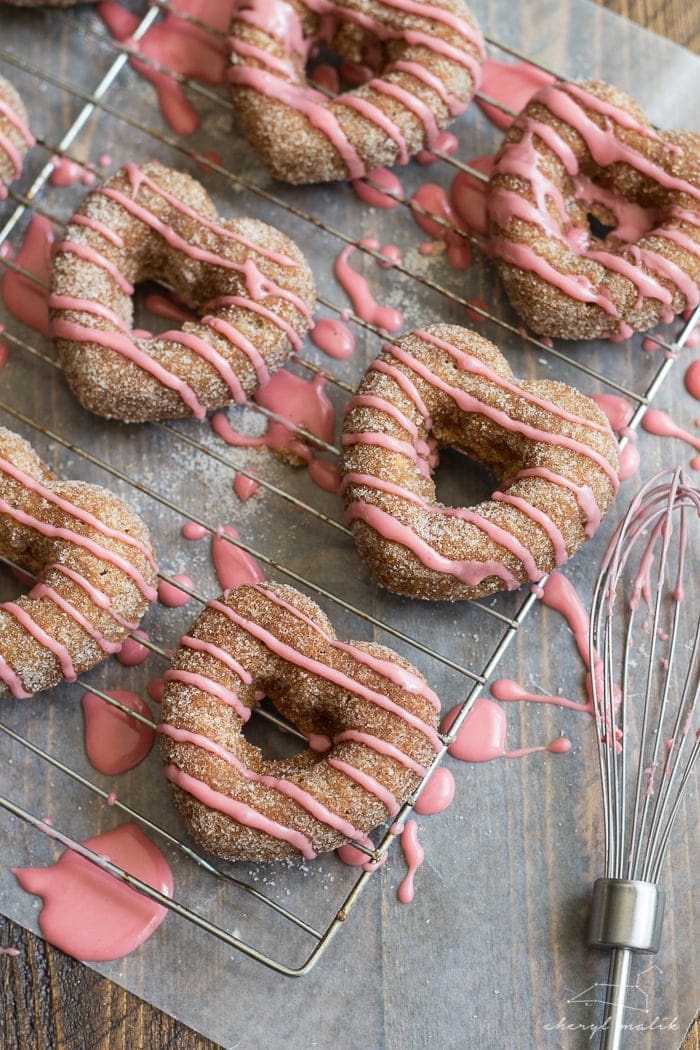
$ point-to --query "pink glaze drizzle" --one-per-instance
(364, 304)
(24, 297)
(482, 735)
(414, 856)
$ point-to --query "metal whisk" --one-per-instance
(648, 737)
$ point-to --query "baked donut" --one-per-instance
(550, 447)
(250, 284)
(94, 567)
(424, 61)
(594, 215)
(370, 718)
(15, 136)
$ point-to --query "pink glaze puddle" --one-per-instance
(357, 289)
(369, 189)
(468, 195)
(437, 794)
(233, 566)
(433, 200)
(114, 742)
(88, 913)
(204, 156)
(4, 353)
(511, 84)
(133, 652)
(661, 424)
(171, 595)
(179, 46)
(482, 735)
(619, 410)
(414, 855)
(295, 402)
(333, 337)
(23, 297)
(355, 858)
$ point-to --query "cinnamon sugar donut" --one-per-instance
(94, 567)
(550, 447)
(15, 136)
(370, 716)
(424, 61)
(249, 283)
(595, 215)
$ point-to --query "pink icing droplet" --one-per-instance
(326, 475)
(155, 689)
(87, 912)
(133, 652)
(482, 735)
(233, 566)
(191, 530)
(468, 195)
(629, 461)
(333, 337)
(114, 742)
(173, 596)
(660, 423)
(692, 379)
(437, 794)
(474, 315)
(245, 487)
(369, 189)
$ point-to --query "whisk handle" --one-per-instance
(626, 917)
(613, 1018)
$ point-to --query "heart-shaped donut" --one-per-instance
(94, 567)
(423, 61)
(370, 718)
(15, 136)
(248, 283)
(551, 448)
(594, 215)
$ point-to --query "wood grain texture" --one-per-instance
(49, 1000)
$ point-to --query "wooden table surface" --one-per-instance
(48, 999)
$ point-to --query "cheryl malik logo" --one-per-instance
(600, 993)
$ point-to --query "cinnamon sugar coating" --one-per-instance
(375, 712)
(423, 61)
(594, 215)
(93, 562)
(550, 447)
(248, 283)
(15, 138)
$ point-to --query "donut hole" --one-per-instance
(276, 737)
(157, 307)
(599, 229)
(336, 70)
(460, 480)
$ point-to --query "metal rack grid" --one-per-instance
(503, 625)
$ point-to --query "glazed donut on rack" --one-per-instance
(594, 215)
(370, 718)
(423, 61)
(15, 136)
(550, 447)
(248, 283)
(94, 567)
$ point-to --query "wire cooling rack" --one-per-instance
(181, 472)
